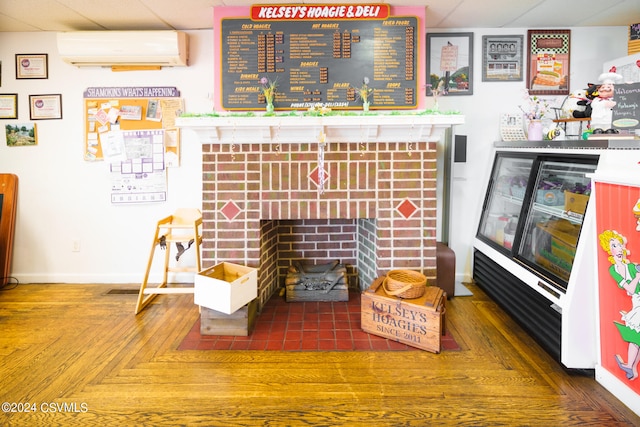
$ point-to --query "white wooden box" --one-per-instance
(226, 287)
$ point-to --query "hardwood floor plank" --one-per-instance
(76, 344)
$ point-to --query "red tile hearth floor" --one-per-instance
(304, 326)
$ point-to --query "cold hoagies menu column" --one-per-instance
(320, 60)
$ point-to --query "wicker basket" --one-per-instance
(405, 283)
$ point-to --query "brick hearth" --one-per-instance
(262, 205)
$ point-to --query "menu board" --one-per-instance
(320, 61)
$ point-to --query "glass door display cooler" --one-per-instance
(553, 220)
(527, 245)
(504, 200)
(534, 210)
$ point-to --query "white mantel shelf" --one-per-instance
(306, 129)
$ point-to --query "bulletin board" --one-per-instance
(133, 129)
(109, 109)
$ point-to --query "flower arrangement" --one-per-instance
(268, 89)
(364, 91)
(535, 108)
(437, 88)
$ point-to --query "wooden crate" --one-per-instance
(417, 322)
(225, 287)
(240, 323)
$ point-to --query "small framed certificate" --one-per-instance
(32, 66)
(45, 107)
(8, 105)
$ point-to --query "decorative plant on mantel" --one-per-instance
(363, 93)
(268, 89)
(438, 88)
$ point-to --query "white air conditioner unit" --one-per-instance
(124, 48)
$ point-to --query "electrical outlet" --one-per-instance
(75, 245)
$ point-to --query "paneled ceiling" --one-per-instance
(73, 15)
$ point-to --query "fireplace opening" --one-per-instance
(326, 282)
(285, 243)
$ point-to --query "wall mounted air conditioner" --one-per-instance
(124, 48)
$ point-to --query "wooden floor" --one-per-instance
(77, 355)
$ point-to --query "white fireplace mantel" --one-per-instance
(306, 129)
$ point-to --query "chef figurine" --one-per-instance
(602, 105)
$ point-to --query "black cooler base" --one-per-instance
(526, 306)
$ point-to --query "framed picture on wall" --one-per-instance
(45, 107)
(548, 56)
(32, 66)
(21, 134)
(8, 105)
(502, 58)
(450, 63)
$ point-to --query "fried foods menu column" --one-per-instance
(393, 57)
(319, 61)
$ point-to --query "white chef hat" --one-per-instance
(612, 78)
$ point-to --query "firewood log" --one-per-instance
(292, 279)
(319, 268)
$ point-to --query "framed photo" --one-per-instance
(450, 63)
(32, 66)
(8, 105)
(21, 134)
(548, 59)
(45, 107)
(502, 58)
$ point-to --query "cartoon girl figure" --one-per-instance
(626, 275)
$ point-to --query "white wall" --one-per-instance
(63, 198)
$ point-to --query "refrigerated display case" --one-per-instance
(532, 251)
(535, 208)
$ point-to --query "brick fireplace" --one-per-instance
(271, 198)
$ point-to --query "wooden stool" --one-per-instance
(183, 227)
(445, 269)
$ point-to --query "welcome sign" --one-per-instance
(626, 113)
